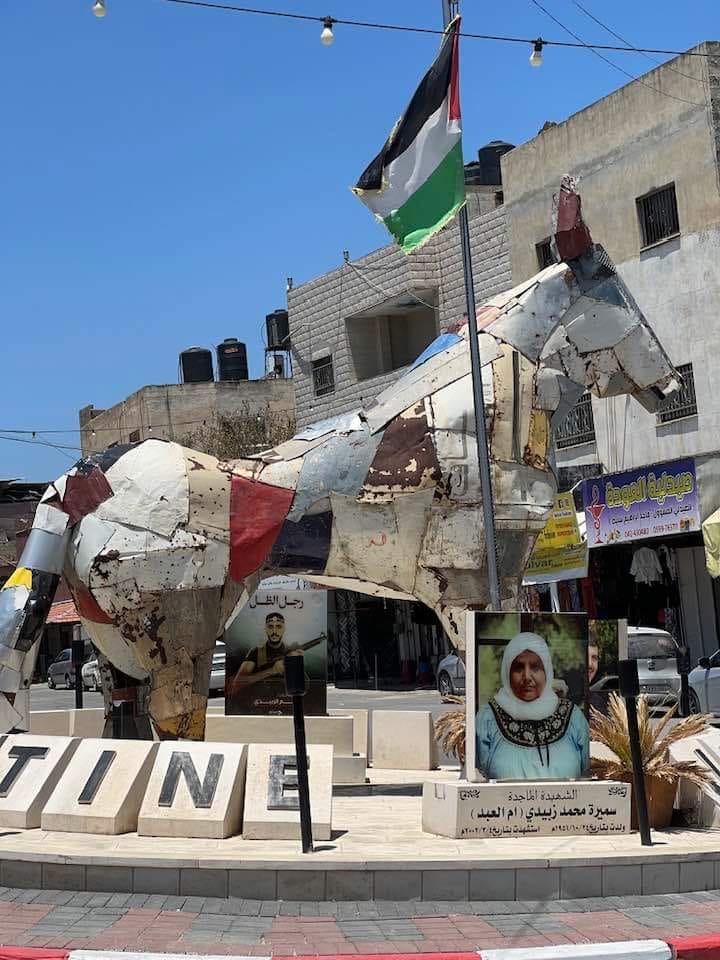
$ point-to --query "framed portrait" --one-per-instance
(527, 696)
(275, 622)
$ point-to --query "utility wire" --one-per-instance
(595, 48)
(402, 28)
(63, 448)
(642, 53)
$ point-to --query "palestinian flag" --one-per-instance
(416, 184)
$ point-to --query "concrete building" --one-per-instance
(355, 329)
(648, 165)
(172, 411)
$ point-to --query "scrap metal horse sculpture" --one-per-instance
(161, 545)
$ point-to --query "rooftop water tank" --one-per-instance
(232, 360)
(196, 364)
(278, 330)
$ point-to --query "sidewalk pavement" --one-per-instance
(145, 923)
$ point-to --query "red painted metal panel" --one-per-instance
(257, 513)
(85, 492)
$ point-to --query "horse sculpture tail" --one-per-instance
(26, 598)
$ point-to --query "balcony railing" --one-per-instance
(578, 426)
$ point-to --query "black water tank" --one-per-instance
(196, 364)
(232, 360)
(278, 330)
(486, 171)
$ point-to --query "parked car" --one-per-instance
(217, 673)
(656, 652)
(91, 675)
(451, 676)
(61, 671)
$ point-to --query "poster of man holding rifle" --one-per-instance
(273, 624)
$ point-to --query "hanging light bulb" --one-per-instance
(536, 57)
(98, 8)
(92, 435)
(327, 37)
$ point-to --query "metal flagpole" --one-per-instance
(449, 10)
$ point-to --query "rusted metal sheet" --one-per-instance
(405, 460)
(572, 237)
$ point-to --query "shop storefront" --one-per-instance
(647, 559)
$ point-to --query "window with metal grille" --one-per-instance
(544, 252)
(134, 436)
(683, 403)
(323, 376)
(658, 215)
(578, 426)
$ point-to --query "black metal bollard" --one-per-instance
(630, 690)
(683, 668)
(78, 653)
(295, 685)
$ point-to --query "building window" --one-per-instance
(134, 436)
(323, 376)
(393, 334)
(544, 252)
(658, 215)
(683, 403)
(578, 426)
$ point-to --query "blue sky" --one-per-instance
(166, 168)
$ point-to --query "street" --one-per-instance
(42, 698)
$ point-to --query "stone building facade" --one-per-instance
(354, 330)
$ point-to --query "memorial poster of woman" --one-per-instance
(527, 696)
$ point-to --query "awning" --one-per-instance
(711, 536)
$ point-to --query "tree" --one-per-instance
(242, 434)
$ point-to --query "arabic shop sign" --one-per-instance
(559, 552)
(652, 502)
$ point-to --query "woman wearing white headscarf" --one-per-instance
(526, 732)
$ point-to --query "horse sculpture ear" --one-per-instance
(572, 235)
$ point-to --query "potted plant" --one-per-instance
(662, 773)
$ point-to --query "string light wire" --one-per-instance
(405, 28)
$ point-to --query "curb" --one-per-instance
(703, 947)
(706, 946)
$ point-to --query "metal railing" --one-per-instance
(683, 403)
(323, 377)
(578, 426)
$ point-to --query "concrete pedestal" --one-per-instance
(272, 811)
(195, 790)
(522, 809)
(403, 740)
(336, 731)
(102, 787)
(30, 768)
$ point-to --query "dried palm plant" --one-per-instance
(450, 730)
(655, 741)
